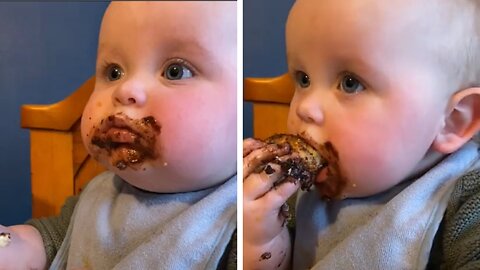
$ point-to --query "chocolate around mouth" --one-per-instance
(128, 142)
(332, 187)
(311, 161)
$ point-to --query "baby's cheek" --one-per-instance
(359, 163)
(193, 145)
(196, 133)
(373, 168)
(92, 113)
(86, 128)
(186, 160)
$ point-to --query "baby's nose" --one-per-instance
(310, 110)
(131, 92)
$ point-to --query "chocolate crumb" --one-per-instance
(265, 256)
(285, 212)
(296, 172)
(149, 120)
(121, 165)
(283, 258)
(269, 170)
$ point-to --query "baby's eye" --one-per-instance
(114, 72)
(302, 79)
(177, 71)
(350, 85)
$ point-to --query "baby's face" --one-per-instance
(163, 112)
(368, 81)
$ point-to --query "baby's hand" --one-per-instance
(266, 240)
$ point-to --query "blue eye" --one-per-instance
(114, 72)
(177, 71)
(302, 79)
(350, 85)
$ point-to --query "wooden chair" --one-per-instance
(271, 98)
(60, 165)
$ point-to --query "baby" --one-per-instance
(394, 87)
(162, 119)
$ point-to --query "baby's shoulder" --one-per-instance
(460, 232)
(466, 193)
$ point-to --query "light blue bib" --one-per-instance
(116, 226)
(392, 230)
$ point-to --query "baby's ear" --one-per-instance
(462, 123)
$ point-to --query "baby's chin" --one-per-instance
(352, 190)
(332, 187)
(328, 193)
(159, 178)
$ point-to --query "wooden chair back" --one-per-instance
(60, 164)
(270, 98)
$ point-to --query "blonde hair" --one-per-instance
(461, 53)
(471, 73)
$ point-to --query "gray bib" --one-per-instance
(117, 226)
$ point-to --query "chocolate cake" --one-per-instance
(305, 163)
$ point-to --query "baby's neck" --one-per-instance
(429, 161)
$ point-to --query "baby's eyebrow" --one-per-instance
(372, 71)
(105, 47)
(189, 46)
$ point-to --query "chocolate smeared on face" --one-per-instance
(128, 142)
(335, 183)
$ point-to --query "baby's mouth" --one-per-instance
(128, 142)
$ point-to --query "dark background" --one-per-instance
(47, 50)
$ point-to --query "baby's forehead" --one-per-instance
(174, 13)
(202, 33)
(152, 14)
(394, 24)
(182, 23)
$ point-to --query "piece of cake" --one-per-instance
(305, 163)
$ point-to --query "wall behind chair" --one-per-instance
(47, 50)
(263, 44)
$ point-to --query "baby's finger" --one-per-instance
(284, 158)
(279, 195)
(257, 184)
(261, 156)
(251, 144)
